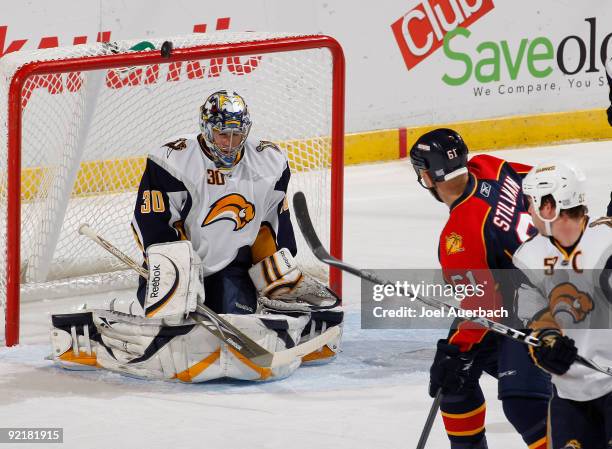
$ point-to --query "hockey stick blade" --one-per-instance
(302, 349)
(305, 223)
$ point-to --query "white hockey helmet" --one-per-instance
(562, 180)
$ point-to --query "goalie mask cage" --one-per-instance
(78, 122)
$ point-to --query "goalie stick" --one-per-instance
(303, 218)
(221, 328)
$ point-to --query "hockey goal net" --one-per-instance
(80, 121)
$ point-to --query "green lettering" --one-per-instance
(513, 66)
(492, 61)
(457, 56)
(532, 56)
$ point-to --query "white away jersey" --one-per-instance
(183, 195)
(574, 288)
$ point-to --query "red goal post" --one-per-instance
(50, 65)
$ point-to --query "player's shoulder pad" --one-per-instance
(177, 147)
(179, 156)
(267, 153)
(462, 236)
(603, 224)
(531, 251)
(485, 166)
(600, 233)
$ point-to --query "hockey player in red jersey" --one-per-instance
(488, 221)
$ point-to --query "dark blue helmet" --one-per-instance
(442, 153)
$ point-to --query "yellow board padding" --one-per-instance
(528, 130)
(371, 146)
(93, 178)
(489, 134)
(123, 175)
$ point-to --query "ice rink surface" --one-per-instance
(373, 396)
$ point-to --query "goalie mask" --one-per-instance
(225, 125)
(564, 182)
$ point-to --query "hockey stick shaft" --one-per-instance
(89, 232)
(305, 223)
(431, 417)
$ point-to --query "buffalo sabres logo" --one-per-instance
(454, 243)
(177, 145)
(233, 207)
(565, 298)
(267, 144)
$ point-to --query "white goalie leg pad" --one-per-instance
(147, 348)
(151, 349)
(73, 341)
(174, 286)
(274, 333)
(278, 278)
(319, 322)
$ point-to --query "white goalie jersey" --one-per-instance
(183, 195)
(571, 288)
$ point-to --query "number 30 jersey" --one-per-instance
(183, 195)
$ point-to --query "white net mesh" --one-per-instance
(85, 136)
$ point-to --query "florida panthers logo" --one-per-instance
(454, 243)
(233, 207)
(565, 298)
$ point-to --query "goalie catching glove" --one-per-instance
(282, 286)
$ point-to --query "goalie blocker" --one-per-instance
(158, 340)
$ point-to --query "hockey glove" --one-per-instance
(282, 285)
(450, 370)
(556, 352)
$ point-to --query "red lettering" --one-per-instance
(235, 66)
(420, 32)
(216, 65)
(13, 46)
(118, 78)
(174, 71)
(103, 36)
(194, 70)
(49, 42)
(151, 74)
(223, 23)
